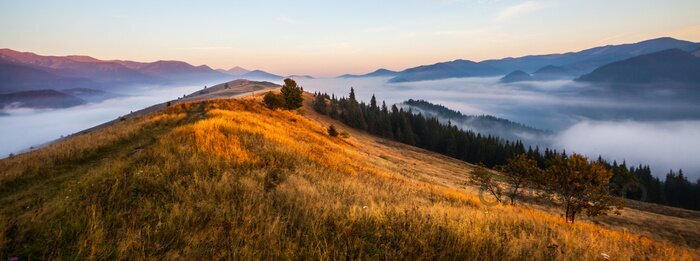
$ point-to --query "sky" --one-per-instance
(328, 38)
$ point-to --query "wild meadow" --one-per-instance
(233, 179)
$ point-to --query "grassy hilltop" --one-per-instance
(231, 178)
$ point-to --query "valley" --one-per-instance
(232, 175)
(415, 130)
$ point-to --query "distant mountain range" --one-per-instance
(484, 124)
(378, 73)
(567, 65)
(180, 71)
(453, 69)
(668, 66)
(29, 80)
(37, 81)
(23, 71)
(52, 99)
(17, 77)
(589, 59)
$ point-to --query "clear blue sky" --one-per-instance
(332, 37)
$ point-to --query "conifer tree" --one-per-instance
(292, 94)
(319, 104)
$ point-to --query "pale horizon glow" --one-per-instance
(324, 38)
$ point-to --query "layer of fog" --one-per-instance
(663, 144)
(529, 136)
(663, 134)
(25, 128)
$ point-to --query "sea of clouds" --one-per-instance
(24, 128)
(660, 134)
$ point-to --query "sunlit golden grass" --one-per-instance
(232, 179)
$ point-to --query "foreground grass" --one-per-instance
(232, 179)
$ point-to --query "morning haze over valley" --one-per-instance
(441, 130)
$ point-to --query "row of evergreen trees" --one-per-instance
(417, 130)
(675, 190)
(429, 133)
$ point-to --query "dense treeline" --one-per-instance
(429, 133)
(675, 190)
(417, 130)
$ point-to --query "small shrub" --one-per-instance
(273, 178)
(332, 131)
(273, 101)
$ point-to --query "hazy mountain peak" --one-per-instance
(382, 70)
(168, 67)
(672, 65)
(453, 69)
(516, 76)
(84, 71)
(204, 66)
(260, 75)
(587, 60)
(238, 68)
(549, 68)
(235, 71)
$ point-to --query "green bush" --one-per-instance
(274, 101)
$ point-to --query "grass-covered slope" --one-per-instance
(232, 179)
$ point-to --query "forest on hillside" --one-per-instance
(428, 132)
